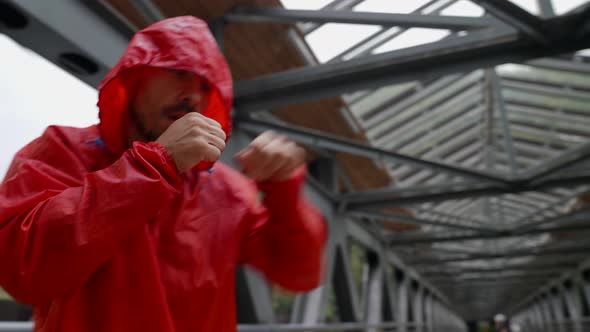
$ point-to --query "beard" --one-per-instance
(138, 122)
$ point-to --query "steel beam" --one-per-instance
(418, 308)
(556, 306)
(253, 297)
(561, 64)
(148, 10)
(570, 218)
(583, 10)
(510, 254)
(548, 313)
(403, 288)
(60, 31)
(282, 15)
(374, 298)
(546, 7)
(344, 289)
(382, 36)
(355, 327)
(389, 304)
(371, 71)
(482, 48)
(517, 17)
(360, 234)
(573, 307)
(385, 216)
(501, 107)
(428, 312)
(567, 159)
(574, 217)
(391, 197)
(307, 28)
(568, 275)
(407, 196)
(437, 215)
(318, 139)
(446, 271)
(492, 277)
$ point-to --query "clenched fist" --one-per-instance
(192, 139)
(271, 157)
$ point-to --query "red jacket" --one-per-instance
(98, 237)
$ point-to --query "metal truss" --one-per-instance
(326, 141)
(517, 17)
(456, 23)
(477, 49)
(500, 255)
(560, 305)
(382, 302)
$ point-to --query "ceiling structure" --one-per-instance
(488, 155)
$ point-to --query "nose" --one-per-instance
(192, 93)
(188, 97)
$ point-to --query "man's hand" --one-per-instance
(192, 139)
(271, 157)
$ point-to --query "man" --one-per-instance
(500, 324)
(131, 225)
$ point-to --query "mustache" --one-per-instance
(182, 106)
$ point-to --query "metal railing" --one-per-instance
(582, 325)
(16, 326)
(386, 326)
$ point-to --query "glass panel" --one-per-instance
(424, 104)
(548, 76)
(390, 6)
(305, 4)
(375, 100)
(545, 101)
(530, 5)
(412, 37)
(463, 8)
(563, 6)
(328, 41)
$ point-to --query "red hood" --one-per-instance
(181, 43)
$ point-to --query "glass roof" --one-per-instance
(505, 120)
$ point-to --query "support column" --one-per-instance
(374, 298)
(573, 305)
(428, 312)
(538, 321)
(402, 302)
(550, 321)
(419, 308)
(556, 308)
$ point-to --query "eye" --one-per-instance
(182, 74)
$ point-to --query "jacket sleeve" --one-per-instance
(286, 236)
(56, 228)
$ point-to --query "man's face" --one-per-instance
(163, 96)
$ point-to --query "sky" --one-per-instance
(34, 93)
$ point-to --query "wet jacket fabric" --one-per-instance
(97, 236)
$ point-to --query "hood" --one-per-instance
(179, 43)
